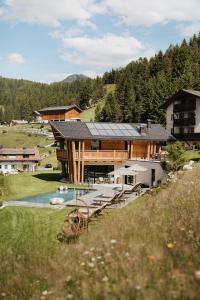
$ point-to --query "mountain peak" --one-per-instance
(74, 77)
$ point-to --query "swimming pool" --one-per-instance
(68, 195)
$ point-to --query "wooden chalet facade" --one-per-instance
(88, 150)
(58, 113)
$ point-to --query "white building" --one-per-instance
(183, 116)
(18, 159)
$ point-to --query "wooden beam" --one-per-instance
(74, 162)
(82, 165)
(148, 150)
(79, 161)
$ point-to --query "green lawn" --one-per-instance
(147, 250)
(28, 184)
(192, 155)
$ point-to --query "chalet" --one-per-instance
(183, 116)
(89, 150)
(18, 159)
(58, 113)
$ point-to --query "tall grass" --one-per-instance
(148, 250)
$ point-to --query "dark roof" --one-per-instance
(57, 108)
(173, 98)
(110, 131)
(17, 151)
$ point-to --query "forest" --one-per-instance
(141, 87)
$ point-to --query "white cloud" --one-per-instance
(107, 51)
(16, 58)
(50, 12)
(91, 74)
(148, 13)
(191, 29)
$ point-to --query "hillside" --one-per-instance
(141, 87)
(151, 250)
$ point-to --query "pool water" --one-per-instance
(68, 195)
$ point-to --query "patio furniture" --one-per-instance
(136, 188)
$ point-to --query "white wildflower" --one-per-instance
(3, 294)
(90, 264)
(44, 293)
(99, 257)
(69, 278)
(93, 259)
(105, 279)
(113, 242)
(70, 296)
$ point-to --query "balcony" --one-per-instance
(96, 155)
(184, 121)
(187, 136)
(185, 107)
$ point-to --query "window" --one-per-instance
(172, 130)
(191, 130)
(172, 117)
(0, 167)
(95, 145)
(25, 155)
(5, 167)
(12, 166)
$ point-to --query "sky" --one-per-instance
(47, 40)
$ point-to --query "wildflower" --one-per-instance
(102, 262)
(69, 278)
(86, 253)
(197, 274)
(127, 254)
(170, 245)
(44, 293)
(70, 296)
(99, 257)
(113, 242)
(138, 287)
(93, 259)
(82, 263)
(3, 294)
(105, 279)
(90, 264)
(92, 249)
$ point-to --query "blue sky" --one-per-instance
(46, 40)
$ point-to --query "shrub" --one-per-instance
(175, 158)
(4, 131)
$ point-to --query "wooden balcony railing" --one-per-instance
(96, 155)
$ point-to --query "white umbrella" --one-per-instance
(123, 172)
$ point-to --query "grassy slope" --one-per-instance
(155, 255)
(89, 114)
(192, 154)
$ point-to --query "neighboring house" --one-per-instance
(58, 113)
(90, 150)
(183, 116)
(18, 159)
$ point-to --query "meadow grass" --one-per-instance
(147, 250)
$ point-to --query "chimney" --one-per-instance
(143, 129)
(148, 123)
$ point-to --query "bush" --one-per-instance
(1, 203)
(4, 131)
(175, 158)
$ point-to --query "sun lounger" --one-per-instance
(91, 212)
(136, 188)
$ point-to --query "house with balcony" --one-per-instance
(18, 159)
(90, 150)
(58, 113)
(183, 116)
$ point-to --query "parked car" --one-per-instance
(48, 166)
